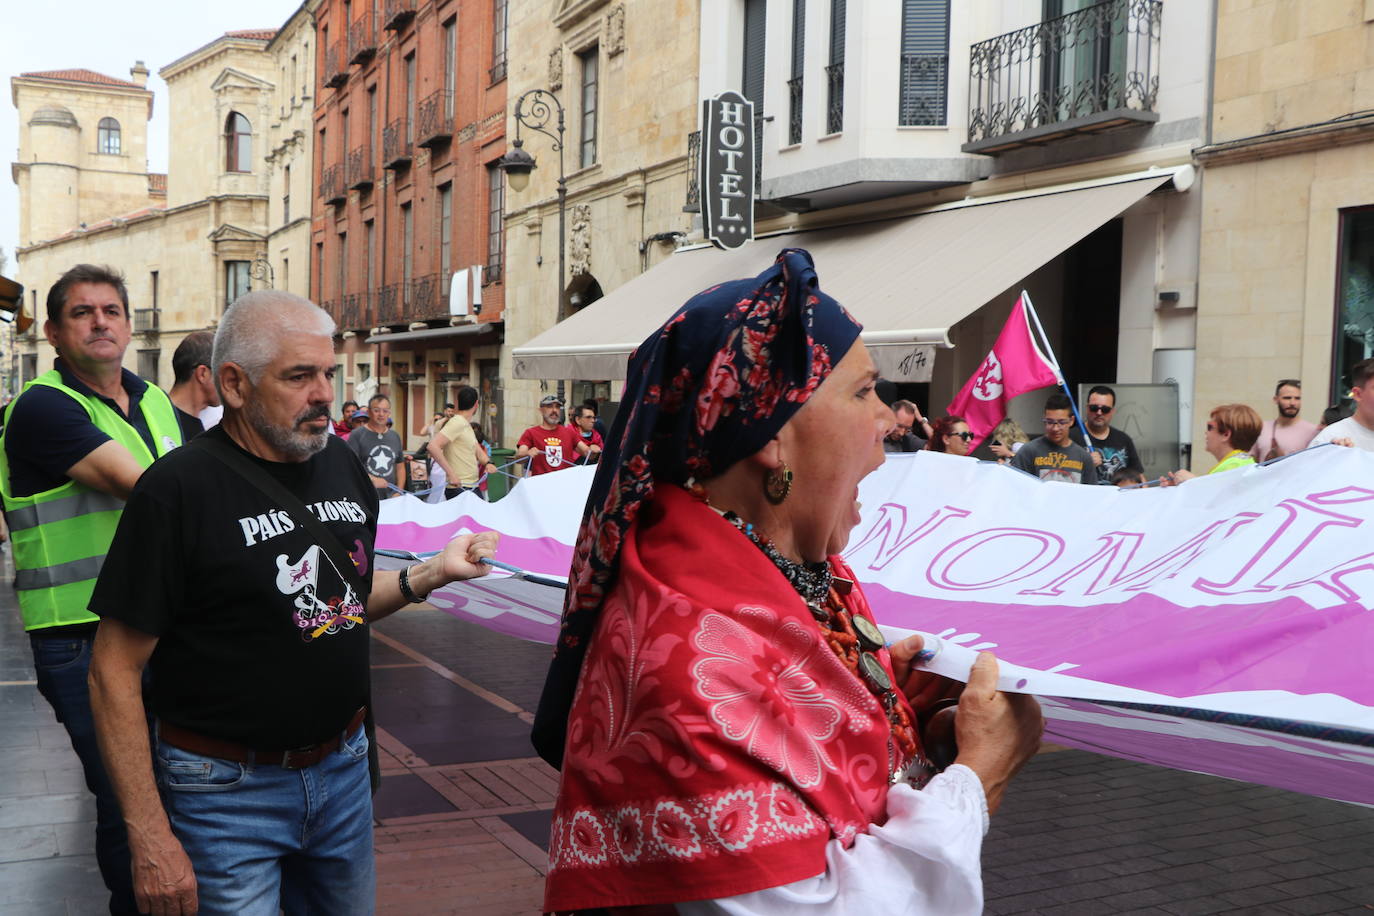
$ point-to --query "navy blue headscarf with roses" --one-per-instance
(710, 387)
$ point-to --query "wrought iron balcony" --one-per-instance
(924, 97)
(396, 152)
(390, 304)
(360, 175)
(424, 298)
(331, 185)
(146, 321)
(335, 65)
(362, 39)
(354, 312)
(435, 119)
(693, 202)
(398, 13)
(834, 102)
(1091, 70)
(794, 110)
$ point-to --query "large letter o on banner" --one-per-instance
(992, 558)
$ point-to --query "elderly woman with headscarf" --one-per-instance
(733, 734)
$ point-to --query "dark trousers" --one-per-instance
(450, 492)
(62, 665)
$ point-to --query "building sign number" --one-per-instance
(728, 161)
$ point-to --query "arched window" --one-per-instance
(238, 137)
(107, 136)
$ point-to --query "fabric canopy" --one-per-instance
(462, 330)
(906, 279)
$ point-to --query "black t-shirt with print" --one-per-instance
(261, 639)
(1118, 451)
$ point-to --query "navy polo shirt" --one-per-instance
(46, 432)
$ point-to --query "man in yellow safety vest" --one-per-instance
(74, 443)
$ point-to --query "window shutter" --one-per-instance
(798, 37)
(837, 21)
(754, 13)
(925, 26)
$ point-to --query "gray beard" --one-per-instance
(295, 445)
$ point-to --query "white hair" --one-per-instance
(252, 328)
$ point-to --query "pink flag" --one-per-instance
(1013, 366)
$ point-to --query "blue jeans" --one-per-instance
(260, 837)
(61, 665)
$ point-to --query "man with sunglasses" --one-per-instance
(1113, 450)
(1054, 456)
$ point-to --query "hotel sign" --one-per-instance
(728, 163)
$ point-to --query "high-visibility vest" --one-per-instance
(60, 536)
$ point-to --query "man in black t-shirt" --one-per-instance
(193, 385)
(256, 639)
(1113, 450)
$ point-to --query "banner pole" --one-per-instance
(1058, 372)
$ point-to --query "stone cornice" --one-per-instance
(1308, 138)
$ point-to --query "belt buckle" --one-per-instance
(289, 761)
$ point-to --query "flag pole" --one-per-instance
(1058, 373)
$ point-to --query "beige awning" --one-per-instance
(908, 280)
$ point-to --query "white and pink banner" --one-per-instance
(1224, 626)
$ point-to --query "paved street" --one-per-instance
(462, 815)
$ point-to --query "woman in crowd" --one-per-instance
(949, 434)
(1006, 439)
(1231, 432)
(734, 736)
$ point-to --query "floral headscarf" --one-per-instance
(710, 387)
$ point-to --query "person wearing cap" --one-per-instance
(551, 446)
(734, 734)
(355, 420)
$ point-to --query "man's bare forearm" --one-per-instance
(122, 730)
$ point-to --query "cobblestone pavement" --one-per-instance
(462, 816)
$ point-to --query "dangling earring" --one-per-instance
(777, 484)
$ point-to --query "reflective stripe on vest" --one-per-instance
(60, 536)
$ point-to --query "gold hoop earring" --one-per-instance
(777, 484)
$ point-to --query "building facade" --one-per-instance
(1288, 228)
(624, 75)
(409, 121)
(186, 246)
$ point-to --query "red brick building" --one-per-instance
(407, 217)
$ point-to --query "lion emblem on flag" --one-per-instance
(987, 382)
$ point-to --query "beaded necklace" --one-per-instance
(852, 637)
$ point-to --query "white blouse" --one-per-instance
(925, 860)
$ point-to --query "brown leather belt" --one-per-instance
(295, 759)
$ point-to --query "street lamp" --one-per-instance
(534, 110)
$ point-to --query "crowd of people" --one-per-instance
(747, 741)
(1235, 435)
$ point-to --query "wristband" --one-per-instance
(406, 591)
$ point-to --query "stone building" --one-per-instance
(1288, 228)
(409, 120)
(625, 77)
(937, 158)
(187, 243)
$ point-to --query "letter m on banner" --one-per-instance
(728, 164)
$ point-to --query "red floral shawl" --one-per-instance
(716, 742)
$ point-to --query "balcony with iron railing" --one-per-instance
(396, 151)
(923, 95)
(390, 307)
(146, 321)
(360, 170)
(398, 13)
(331, 185)
(794, 110)
(424, 299)
(362, 39)
(335, 65)
(834, 99)
(693, 202)
(435, 119)
(354, 312)
(1087, 71)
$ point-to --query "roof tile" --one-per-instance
(81, 76)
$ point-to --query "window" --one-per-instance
(410, 98)
(589, 60)
(834, 72)
(285, 274)
(238, 139)
(343, 132)
(445, 233)
(407, 250)
(371, 125)
(369, 254)
(496, 205)
(341, 282)
(1354, 338)
(153, 278)
(498, 40)
(319, 271)
(324, 154)
(107, 137)
(286, 194)
(924, 88)
(794, 85)
(235, 281)
(752, 72)
(450, 64)
(293, 81)
(147, 365)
